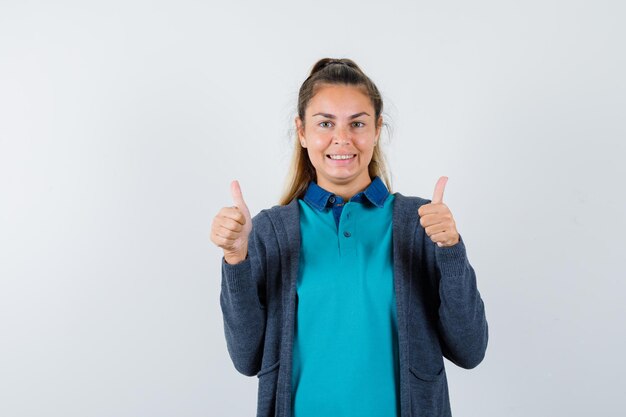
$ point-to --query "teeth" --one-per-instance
(341, 156)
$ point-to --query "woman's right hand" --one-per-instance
(232, 226)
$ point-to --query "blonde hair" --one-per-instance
(345, 71)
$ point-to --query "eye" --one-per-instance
(322, 123)
(363, 124)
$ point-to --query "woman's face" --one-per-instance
(339, 123)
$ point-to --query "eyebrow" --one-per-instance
(332, 116)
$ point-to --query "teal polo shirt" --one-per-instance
(345, 350)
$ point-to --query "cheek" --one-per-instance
(364, 145)
(319, 145)
(316, 153)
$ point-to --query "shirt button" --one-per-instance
(346, 234)
(332, 199)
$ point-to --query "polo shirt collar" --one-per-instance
(376, 193)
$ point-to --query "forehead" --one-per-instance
(340, 100)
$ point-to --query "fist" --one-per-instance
(232, 226)
(437, 220)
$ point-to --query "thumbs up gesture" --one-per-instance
(437, 219)
(232, 226)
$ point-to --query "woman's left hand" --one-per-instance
(437, 219)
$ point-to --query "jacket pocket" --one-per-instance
(429, 394)
(268, 381)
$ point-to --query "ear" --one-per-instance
(300, 131)
(379, 126)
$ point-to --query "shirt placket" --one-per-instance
(345, 232)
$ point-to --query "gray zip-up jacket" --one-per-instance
(440, 311)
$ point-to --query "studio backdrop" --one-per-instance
(122, 124)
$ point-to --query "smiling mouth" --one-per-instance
(341, 157)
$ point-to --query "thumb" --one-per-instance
(439, 187)
(235, 191)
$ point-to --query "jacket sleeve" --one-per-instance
(462, 322)
(242, 301)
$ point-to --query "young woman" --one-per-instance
(345, 298)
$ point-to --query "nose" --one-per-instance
(342, 136)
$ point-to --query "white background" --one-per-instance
(122, 124)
